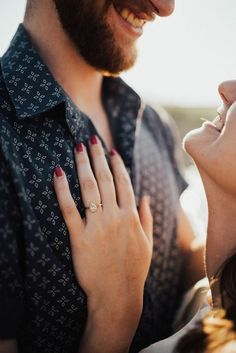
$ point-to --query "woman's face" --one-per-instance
(213, 145)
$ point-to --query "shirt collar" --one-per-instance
(33, 90)
(30, 85)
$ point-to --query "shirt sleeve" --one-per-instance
(11, 283)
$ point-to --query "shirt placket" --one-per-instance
(126, 112)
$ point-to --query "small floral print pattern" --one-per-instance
(39, 126)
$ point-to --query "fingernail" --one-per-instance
(79, 147)
(113, 152)
(58, 171)
(94, 140)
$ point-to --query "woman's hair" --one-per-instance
(216, 333)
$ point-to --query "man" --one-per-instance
(54, 91)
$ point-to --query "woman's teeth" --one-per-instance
(217, 122)
(130, 17)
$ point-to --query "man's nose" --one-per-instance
(163, 7)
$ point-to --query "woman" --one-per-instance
(212, 148)
(123, 256)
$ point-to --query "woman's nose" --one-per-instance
(163, 7)
(227, 91)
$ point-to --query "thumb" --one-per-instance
(145, 216)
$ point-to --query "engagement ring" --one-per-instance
(93, 207)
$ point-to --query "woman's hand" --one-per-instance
(112, 247)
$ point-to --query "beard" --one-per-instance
(85, 23)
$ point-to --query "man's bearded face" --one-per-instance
(90, 26)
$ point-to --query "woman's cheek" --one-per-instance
(217, 164)
(197, 143)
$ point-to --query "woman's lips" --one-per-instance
(217, 123)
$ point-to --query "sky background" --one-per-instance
(181, 58)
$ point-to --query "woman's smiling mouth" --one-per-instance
(217, 123)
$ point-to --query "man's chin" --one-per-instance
(117, 72)
(123, 66)
(114, 68)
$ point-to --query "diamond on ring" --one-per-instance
(93, 207)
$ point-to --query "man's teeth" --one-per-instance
(130, 17)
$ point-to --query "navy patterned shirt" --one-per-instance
(41, 303)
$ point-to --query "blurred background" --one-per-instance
(182, 59)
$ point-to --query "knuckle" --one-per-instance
(68, 211)
(113, 221)
(112, 228)
(105, 176)
(133, 217)
(114, 217)
(98, 151)
(88, 184)
(61, 188)
(82, 158)
(123, 178)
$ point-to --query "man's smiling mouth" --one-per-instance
(130, 17)
(134, 18)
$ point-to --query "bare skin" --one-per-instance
(112, 242)
(213, 150)
(79, 80)
(221, 226)
(82, 82)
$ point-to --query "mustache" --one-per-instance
(142, 6)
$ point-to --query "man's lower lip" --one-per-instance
(133, 31)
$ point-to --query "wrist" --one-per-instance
(116, 307)
(111, 323)
(115, 298)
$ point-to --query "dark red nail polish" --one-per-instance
(59, 172)
(79, 147)
(94, 140)
(113, 152)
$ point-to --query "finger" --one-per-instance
(88, 183)
(145, 216)
(67, 206)
(103, 174)
(124, 189)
